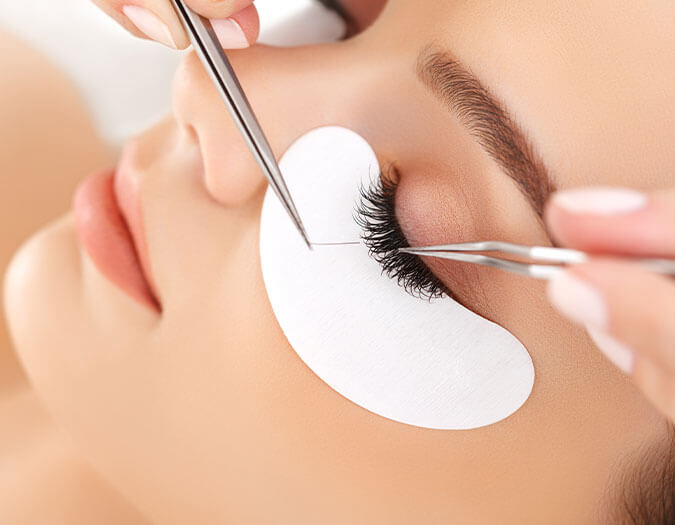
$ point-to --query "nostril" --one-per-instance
(230, 173)
(188, 132)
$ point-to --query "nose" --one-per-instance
(285, 87)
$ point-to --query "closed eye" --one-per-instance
(382, 234)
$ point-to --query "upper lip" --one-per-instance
(127, 193)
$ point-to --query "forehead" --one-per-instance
(591, 83)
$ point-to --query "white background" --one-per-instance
(126, 81)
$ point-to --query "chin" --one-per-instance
(62, 312)
(41, 288)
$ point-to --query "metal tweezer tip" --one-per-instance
(302, 231)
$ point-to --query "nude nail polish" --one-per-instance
(578, 300)
(618, 353)
(150, 24)
(230, 34)
(600, 201)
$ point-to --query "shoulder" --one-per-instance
(48, 142)
(37, 99)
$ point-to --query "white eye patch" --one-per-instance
(429, 364)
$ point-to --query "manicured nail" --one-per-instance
(150, 24)
(618, 353)
(578, 300)
(230, 33)
(600, 201)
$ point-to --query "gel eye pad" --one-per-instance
(429, 364)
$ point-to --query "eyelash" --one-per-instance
(382, 234)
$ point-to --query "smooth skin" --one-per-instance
(205, 414)
(638, 305)
(43, 479)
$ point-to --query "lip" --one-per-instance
(108, 223)
(127, 181)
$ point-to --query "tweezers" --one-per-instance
(210, 52)
(554, 259)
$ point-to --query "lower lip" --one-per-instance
(106, 238)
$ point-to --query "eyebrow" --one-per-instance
(488, 122)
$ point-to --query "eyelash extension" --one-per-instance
(382, 234)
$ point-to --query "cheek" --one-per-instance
(428, 364)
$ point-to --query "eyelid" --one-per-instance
(382, 234)
(488, 120)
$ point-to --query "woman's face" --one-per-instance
(203, 412)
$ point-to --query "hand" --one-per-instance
(235, 21)
(628, 311)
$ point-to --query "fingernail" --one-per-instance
(230, 33)
(618, 353)
(150, 24)
(600, 201)
(578, 300)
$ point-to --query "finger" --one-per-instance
(656, 381)
(657, 384)
(234, 21)
(239, 31)
(218, 9)
(152, 19)
(624, 302)
(614, 220)
(119, 17)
